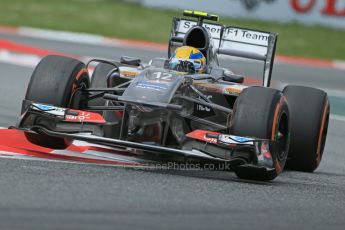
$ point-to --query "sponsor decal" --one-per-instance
(230, 139)
(330, 7)
(240, 139)
(202, 136)
(80, 117)
(219, 138)
(156, 87)
(131, 74)
(56, 111)
(233, 38)
(185, 25)
(84, 116)
(247, 36)
(308, 12)
(44, 107)
(202, 107)
(234, 33)
(234, 89)
(325, 7)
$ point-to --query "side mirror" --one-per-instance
(130, 61)
(233, 77)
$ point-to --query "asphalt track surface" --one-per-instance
(57, 195)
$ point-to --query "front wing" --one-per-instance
(85, 126)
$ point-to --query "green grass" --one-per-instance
(124, 20)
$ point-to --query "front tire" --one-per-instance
(262, 113)
(99, 80)
(55, 81)
(309, 110)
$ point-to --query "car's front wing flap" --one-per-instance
(129, 144)
(262, 151)
(261, 148)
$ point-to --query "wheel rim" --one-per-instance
(282, 136)
(324, 133)
(76, 95)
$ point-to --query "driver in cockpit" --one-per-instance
(188, 59)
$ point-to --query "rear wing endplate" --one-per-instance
(233, 41)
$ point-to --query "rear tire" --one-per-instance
(309, 112)
(55, 81)
(262, 113)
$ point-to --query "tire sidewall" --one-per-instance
(55, 79)
(272, 107)
(309, 109)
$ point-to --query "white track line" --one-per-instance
(339, 64)
(63, 36)
(26, 60)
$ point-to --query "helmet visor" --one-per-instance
(185, 65)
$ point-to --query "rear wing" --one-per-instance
(232, 41)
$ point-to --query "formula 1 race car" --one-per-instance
(179, 113)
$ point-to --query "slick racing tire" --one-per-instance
(55, 81)
(99, 80)
(262, 113)
(309, 117)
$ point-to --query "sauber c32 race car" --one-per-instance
(181, 114)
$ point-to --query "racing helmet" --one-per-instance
(188, 59)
